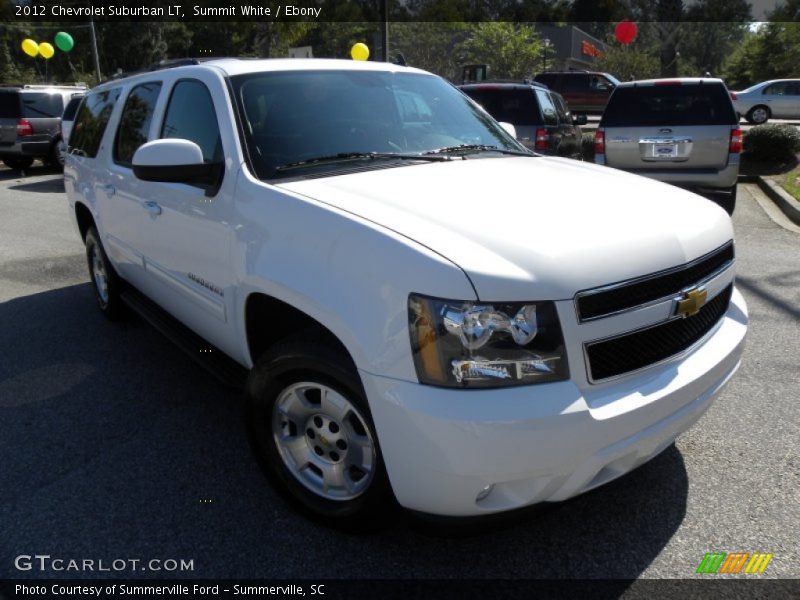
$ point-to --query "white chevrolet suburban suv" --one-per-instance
(422, 309)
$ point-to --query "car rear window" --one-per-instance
(692, 104)
(41, 105)
(9, 105)
(515, 106)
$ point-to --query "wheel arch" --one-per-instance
(84, 217)
(268, 320)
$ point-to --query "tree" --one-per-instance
(629, 62)
(513, 50)
(430, 46)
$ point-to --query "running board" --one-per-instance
(213, 360)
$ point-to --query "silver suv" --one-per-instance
(681, 131)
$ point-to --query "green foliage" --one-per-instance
(431, 46)
(773, 52)
(772, 143)
(513, 50)
(637, 61)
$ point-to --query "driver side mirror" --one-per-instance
(175, 161)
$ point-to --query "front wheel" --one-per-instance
(313, 434)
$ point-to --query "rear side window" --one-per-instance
(9, 105)
(703, 104)
(547, 79)
(71, 109)
(134, 123)
(548, 108)
(191, 116)
(574, 82)
(91, 122)
(515, 106)
(561, 108)
(41, 106)
(782, 88)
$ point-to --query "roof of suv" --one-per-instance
(671, 81)
(241, 66)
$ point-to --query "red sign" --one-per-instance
(590, 49)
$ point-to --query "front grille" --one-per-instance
(645, 347)
(597, 303)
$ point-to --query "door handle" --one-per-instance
(153, 208)
(108, 189)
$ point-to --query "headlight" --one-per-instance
(486, 344)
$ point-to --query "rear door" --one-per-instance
(10, 112)
(670, 126)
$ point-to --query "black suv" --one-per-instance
(540, 116)
(585, 91)
(30, 122)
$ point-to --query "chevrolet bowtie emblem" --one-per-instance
(691, 302)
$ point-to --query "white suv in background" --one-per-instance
(423, 309)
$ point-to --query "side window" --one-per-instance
(191, 116)
(561, 109)
(548, 109)
(776, 89)
(134, 124)
(575, 82)
(91, 122)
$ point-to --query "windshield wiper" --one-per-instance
(347, 156)
(477, 148)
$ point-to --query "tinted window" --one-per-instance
(706, 104)
(548, 108)
(515, 106)
(9, 105)
(574, 82)
(91, 122)
(295, 116)
(71, 109)
(41, 106)
(134, 123)
(546, 78)
(191, 116)
(600, 83)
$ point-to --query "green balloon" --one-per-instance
(64, 41)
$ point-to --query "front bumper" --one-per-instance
(549, 442)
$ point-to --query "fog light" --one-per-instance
(484, 492)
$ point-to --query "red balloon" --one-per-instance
(625, 32)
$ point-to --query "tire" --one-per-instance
(106, 284)
(727, 200)
(758, 115)
(56, 158)
(19, 163)
(306, 394)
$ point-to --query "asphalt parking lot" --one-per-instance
(113, 444)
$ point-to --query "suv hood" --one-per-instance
(532, 228)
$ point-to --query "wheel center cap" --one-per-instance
(324, 440)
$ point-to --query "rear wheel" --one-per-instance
(20, 163)
(105, 281)
(758, 115)
(313, 434)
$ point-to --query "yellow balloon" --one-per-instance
(46, 50)
(30, 47)
(359, 51)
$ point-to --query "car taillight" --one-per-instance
(733, 95)
(541, 139)
(24, 128)
(599, 142)
(736, 141)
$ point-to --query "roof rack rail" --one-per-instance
(167, 63)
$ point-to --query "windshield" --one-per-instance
(296, 116)
(612, 79)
